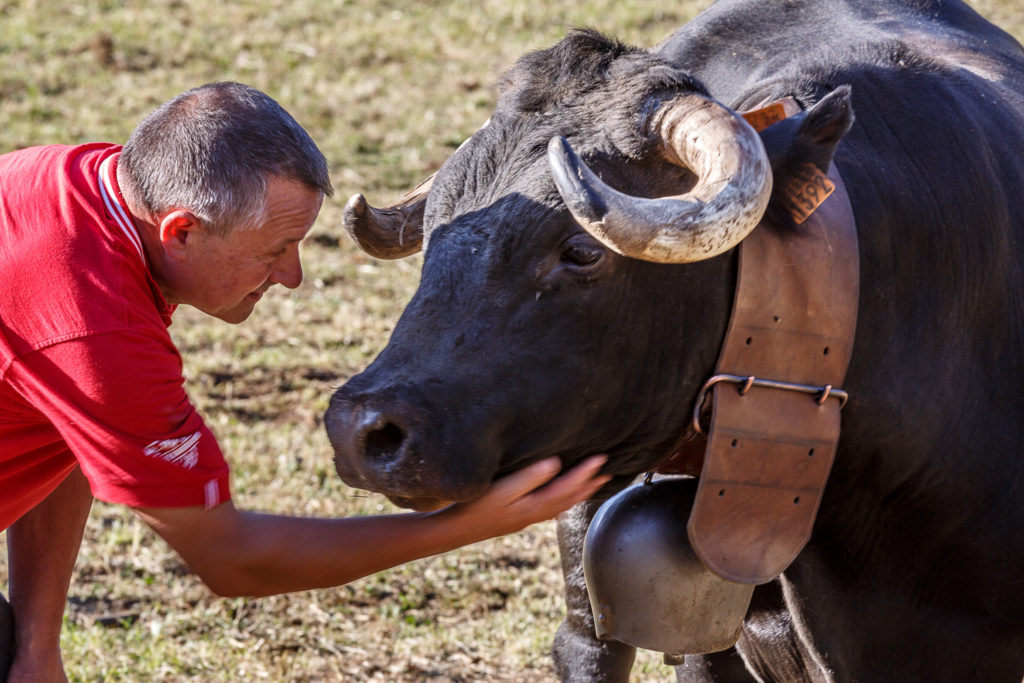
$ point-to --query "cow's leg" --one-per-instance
(6, 637)
(579, 656)
(717, 667)
(771, 644)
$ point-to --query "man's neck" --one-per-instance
(148, 228)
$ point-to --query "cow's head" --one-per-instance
(565, 307)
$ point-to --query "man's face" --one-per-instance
(228, 275)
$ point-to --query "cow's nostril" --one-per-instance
(385, 441)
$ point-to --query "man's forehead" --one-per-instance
(292, 204)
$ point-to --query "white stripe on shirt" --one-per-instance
(211, 492)
(116, 210)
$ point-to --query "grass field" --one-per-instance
(389, 89)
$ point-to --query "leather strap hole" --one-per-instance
(735, 442)
(750, 340)
(810, 453)
(721, 494)
(796, 501)
(825, 352)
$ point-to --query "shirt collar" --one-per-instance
(115, 204)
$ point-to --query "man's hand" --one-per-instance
(240, 553)
(522, 498)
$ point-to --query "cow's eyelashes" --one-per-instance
(580, 252)
(580, 256)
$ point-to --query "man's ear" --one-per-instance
(178, 229)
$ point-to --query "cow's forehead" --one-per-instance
(601, 109)
(509, 222)
(499, 174)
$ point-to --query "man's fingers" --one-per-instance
(521, 482)
(578, 484)
(529, 495)
(528, 479)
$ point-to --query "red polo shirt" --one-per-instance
(88, 372)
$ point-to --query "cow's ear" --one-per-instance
(824, 125)
(809, 138)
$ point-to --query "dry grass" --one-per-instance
(389, 89)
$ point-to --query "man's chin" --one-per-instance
(236, 314)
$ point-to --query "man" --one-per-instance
(205, 205)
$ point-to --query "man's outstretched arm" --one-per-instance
(240, 553)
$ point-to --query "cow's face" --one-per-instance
(559, 312)
(527, 338)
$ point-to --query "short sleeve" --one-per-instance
(118, 401)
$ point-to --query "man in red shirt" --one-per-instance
(204, 205)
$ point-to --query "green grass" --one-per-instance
(388, 89)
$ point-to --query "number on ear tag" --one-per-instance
(804, 191)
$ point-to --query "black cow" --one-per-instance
(531, 336)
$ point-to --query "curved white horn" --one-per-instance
(732, 191)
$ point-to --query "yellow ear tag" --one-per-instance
(759, 119)
(804, 191)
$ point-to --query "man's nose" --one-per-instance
(288, 269)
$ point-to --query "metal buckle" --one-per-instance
(822, 393)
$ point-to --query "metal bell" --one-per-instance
(647, 587)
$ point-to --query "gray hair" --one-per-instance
(211, 150)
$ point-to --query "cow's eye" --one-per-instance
(581, 251)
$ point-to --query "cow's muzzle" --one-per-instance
(390, 446)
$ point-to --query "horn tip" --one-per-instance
(558, 146)
(356, 204)
(573, 180)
